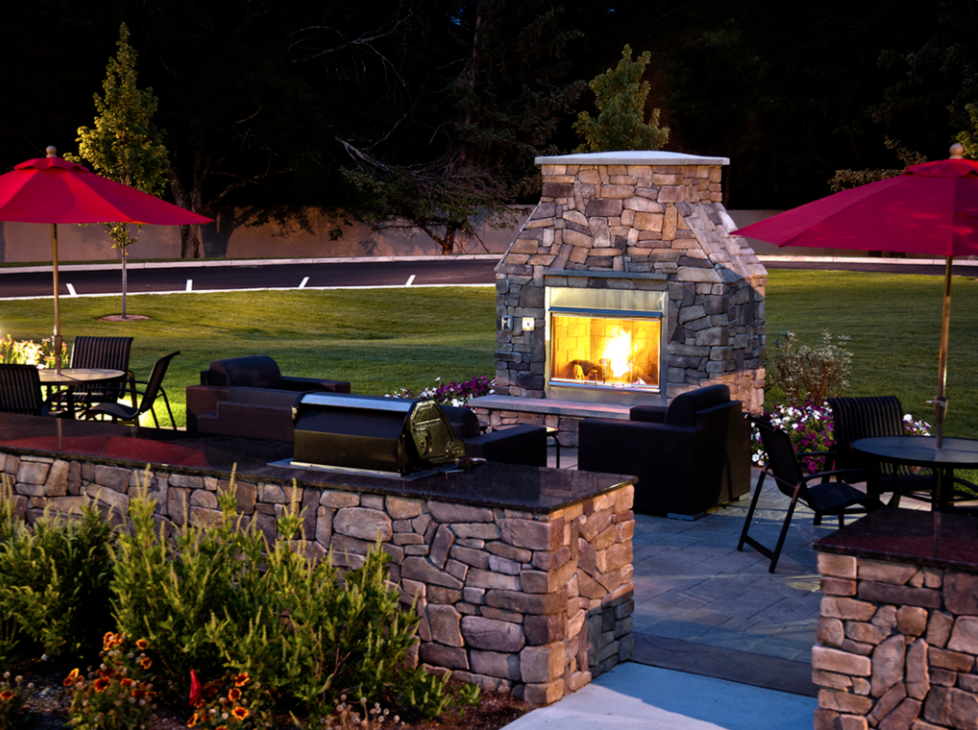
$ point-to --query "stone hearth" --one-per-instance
(640, 221)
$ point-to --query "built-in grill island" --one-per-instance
(624, 287)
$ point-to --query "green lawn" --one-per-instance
(385, 339)
(894, 322)
(379, 339)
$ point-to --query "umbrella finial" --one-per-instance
(957, 151)
(52, 151)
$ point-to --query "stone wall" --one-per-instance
(536, 604)
(896, 646)
(656, 224)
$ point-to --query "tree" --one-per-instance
(620, 96)
(125, 145)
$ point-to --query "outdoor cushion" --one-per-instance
(256, 371)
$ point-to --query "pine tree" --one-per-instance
(125, 145)
(620, 98)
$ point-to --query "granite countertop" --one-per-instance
(506, 486)
(934, 539)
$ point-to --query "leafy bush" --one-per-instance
(28, 352)
(451, 394)
(54, 582)
(116, 695)
(810, 375)
(221, 598)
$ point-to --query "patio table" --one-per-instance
(955, 453)
(70, 378)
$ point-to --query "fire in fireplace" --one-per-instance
(601, 340)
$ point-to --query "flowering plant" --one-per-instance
(451, 394)
(233, 702)
(811, 430)
(12, 710)
(116, 694)
(28, 352)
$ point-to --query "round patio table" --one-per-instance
(70, 378)
(955, 453)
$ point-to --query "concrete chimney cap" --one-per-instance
(631, 157)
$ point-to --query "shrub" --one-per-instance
(118, 694)
(54, 582)
(28, 352)
(810, 375)
(220, 597)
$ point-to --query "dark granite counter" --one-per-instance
(529, 489)
(913, 537)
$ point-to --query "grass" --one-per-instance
(894, 321)
(385, 339)
(379, 340)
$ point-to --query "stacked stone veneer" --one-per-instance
(896, 647)
(536, 604)
(638, 220)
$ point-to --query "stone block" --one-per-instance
(830, 699)
(899, 595)
(912, 620)
(476, 558)
(542, 664)
(964, 635)
(403, 509)
(115, 478)
(950, 660)
(495, 664)
(544, 694)
(477, 578)
(491, 634)
(443, 622)
(841, 662)
(887, 703)
(447, 512)
(838, 587)
(829, 631)
(847, 608)
(420, 569)
(961, 593)
(917, 671)
(947, 707)
(939, 628)
(439, 655)
(866, 632)
(338, 500)
(441, 545)
(363, 523)
(532, 534)
(883, 572)
(539, 604)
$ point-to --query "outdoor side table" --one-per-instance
(69, 378)
(955, 453)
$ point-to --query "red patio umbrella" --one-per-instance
(53, 190)
(931, 208)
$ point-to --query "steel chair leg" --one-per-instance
(750, 510)
(784, 529)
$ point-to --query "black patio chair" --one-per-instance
(871, 416)
(130, 414)
(105, 353)
(20, 391)
(831, 495)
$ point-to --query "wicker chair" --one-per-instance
(867, 417)
(832, 495)
(20, 391)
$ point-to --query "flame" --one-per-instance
(618, 352)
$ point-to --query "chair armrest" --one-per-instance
(648, 414)
(306, 384)
(203, 399)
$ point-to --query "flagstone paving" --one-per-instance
(703, 607)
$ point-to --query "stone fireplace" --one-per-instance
(623, 287)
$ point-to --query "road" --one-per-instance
(188, 276)
(426, 272)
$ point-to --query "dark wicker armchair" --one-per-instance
(688, 457)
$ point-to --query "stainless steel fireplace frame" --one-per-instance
(606, 304)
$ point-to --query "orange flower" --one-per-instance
(239, 713)
(193, 720)
(7, 696)
(101, 684)
(70, 679)
(241, 680)
(234, 695)
(125, 682)
(221, 727)
(142, 645)
(146, 662)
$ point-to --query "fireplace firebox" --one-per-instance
(605, 344)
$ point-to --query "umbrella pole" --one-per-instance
(940, 402)
(57, 308)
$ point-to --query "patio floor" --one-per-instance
(703, 607)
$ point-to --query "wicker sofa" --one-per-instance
(688, 457)
(249, 396)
